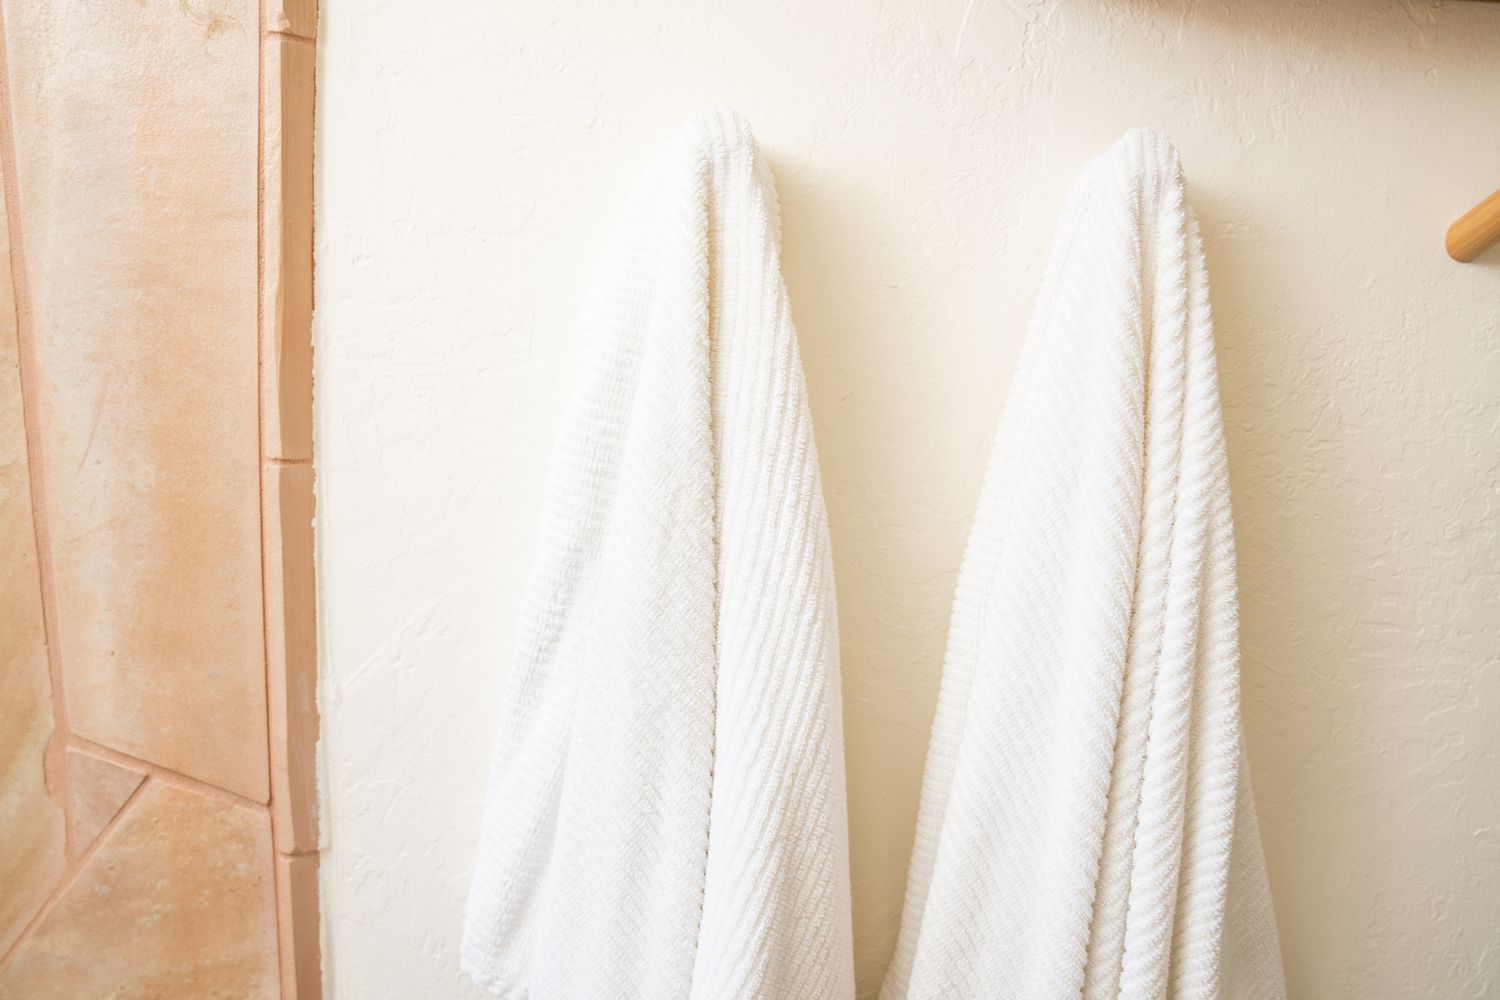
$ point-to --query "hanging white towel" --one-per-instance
(666, 815)
(1086, 825)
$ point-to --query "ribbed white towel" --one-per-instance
(1086, 826)
(666, 816)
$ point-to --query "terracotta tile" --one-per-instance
(297, 903)
(295, 17)
(286, 382)
(138, 196)
(31, 824)
(291, 632)
(97, 789)
(177, 904)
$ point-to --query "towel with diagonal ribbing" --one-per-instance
(665, 817)
(1086, 827)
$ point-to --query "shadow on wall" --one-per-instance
(900, 502)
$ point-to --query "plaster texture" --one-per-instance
(472, 161)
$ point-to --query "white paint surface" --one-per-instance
(472, 158)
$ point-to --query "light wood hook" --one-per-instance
(1476, 231)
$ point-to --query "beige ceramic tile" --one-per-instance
(291, 632)
(297, 901)
(286, 404)
(31, 824)
(178, 903)
(136, 134)
(97, 789)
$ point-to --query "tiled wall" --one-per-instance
(157, 648)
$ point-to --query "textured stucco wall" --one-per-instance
(472, 160)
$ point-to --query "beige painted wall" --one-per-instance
(472, 160)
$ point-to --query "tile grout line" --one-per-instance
(263, 41)
(320, 974)
(260, 381)
(72, 875)
(57, 776)
(167, 775)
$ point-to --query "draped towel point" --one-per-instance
(1086, 827)
(666, 817)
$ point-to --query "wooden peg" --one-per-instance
(1476, 231)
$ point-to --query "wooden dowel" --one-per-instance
(1476, 231)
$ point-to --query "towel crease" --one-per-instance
(1086, 827)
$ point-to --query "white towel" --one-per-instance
(666, 816)
(1086, 826)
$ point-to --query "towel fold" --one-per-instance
(665, 817)
(1086, 826)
